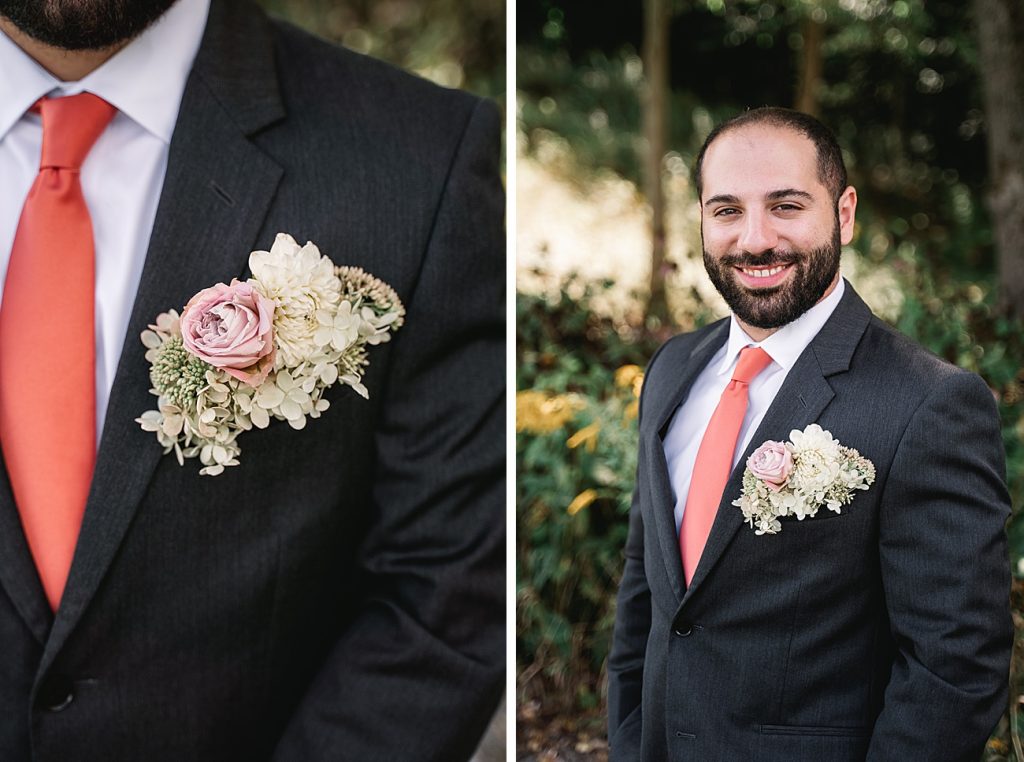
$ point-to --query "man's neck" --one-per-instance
(65, 65)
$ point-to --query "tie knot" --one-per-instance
(752, 361)
(70, 127)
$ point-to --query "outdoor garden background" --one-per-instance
(614, 99)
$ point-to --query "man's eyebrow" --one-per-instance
(775, 195)
(789, 193)
(722, 198)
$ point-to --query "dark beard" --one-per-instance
(83, 24)
(775, 307)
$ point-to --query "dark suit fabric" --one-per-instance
(339, 595)
(881, 633)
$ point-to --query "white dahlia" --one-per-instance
(300, 281)
(814, 438)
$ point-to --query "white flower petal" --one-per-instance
(269, 396)
(260, 418)
(290, 410)
(151, 340)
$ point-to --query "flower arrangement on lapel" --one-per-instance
(239, 355)
(797, 477)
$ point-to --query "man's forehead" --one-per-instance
(760, 155)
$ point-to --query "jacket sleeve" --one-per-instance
(945, 573)
(419, 671)
(629, 642)
(632, 626)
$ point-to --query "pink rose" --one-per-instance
(772, 463)
(231, 327)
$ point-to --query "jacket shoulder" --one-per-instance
(663, 369)
(318, 74)
(901, 376)
(904, 358)
(678, 348)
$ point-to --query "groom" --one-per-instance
(878, 632)
(339, 594)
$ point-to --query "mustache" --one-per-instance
(770, 258)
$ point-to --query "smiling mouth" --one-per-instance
(762, 277)
(763, 272)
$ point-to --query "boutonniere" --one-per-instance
(239, 355)
(798, 477)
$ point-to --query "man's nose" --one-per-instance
(757, 234)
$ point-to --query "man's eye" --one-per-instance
(787, 208)
(727, 211)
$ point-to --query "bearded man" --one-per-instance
(337, 594)
(816, 566)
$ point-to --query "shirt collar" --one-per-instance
(145, 80)
(788, 343)
(24, 82)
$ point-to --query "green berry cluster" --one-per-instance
(178, 375)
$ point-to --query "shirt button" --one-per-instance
(56, 694)
(683, 629)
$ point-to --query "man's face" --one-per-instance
(83, 24)
(771, 231)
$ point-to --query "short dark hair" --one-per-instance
(831, 169)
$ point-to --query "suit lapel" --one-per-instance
(215, 197)
(657, 474)
(801, 400)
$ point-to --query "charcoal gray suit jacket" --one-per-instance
(881, 633)
(339, 595)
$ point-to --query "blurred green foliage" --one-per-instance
(576, 457)
(454, 43)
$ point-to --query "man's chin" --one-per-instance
(82, 25)
(765, 307)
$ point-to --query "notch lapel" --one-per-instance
(800, 401)
(662, 501)
(215, 197)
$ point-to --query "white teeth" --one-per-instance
(763, 273)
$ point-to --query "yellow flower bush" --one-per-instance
(539, 412)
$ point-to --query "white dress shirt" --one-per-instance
(123, 173)
(693, 416)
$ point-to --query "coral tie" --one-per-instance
(47, 343)
(714, 459)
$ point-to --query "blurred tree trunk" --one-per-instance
(1000, 25)
(811, 65)
(655, 105)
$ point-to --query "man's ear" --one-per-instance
(846, 208)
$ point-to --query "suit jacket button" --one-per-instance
(683, 629)
(56, 694)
